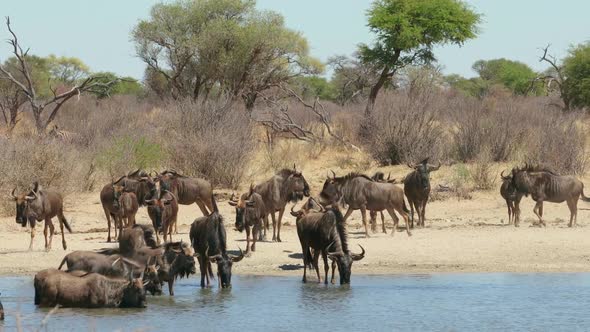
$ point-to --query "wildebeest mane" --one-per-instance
(538, 168)
(353, 175)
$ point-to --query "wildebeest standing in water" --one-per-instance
(208, 238)
(178, 261)
(544, 185)
(40, 205)
(417, 189)
(361, 192)
(54, 287)
(512, 198)
(250, 212)
(325, 232)
(288, 185)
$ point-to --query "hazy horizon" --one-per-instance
(99, 33)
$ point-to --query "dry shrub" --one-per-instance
(208, 140)
(406, 130)
(557, 140)
(482, 171)
(492, 125)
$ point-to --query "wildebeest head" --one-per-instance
(245, 201)
(151, 279)
(183, 263)
(296, 186)
(344, 262)
(224, 265)
(311, 205)
(24, 202)
(157, 203)
(330, 193)
(423, 170)
(134, 293)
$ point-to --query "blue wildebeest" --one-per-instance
(360, 192)
(512, 198)
(325, 233)
(380, 177)
(545, 186)
(87, 290)
(288, 185)
(39, 205)
(417, 189)
(208, 238)
(163, 211)
(250, 213)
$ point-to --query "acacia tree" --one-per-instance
(408, 30)
(514, 75)
(577, 71)
(27, 82)
(352, 78)
(226, 47)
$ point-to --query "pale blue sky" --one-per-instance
(98, 31)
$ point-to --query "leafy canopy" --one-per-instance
(576, 67)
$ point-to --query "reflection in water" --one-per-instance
(446, 302)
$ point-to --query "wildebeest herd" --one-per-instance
(143, 262)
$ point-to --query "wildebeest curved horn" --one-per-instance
(358, 257)
(409, 165)
(435, 168)
(119, 179)
(134, 172)
(293, 213)
(504, 177)
(236, 259)
(116, 260)
(171, 194)
(333, 174)
(12, 193)
(294, 167)
(388, 176)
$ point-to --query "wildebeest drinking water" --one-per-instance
(544, 185)
(361, 192)
(208, 238)
(40, 205)
(417, 189)
(325, 232)
(512, 198)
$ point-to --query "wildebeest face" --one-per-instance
(344, 262)
(157, 206)
(23, 211)
(297, 187)
(424, 176)
(224, 265)
(134, 295)
(330, 193)
(244, 202)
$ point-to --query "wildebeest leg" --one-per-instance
(423, 213)
(571, 204)
(537, 209)
(274, 227)
(279, 222)
(332, 280)
(203, 268)
(412, 213)
(305, 261)
(62, 219)
(32, 237)
(107, 214)
(516, 213)
(383, 222)
(373, 222)
(364, 216)
(348, 213)
(255, 232)
(247, 239)
(48, 224)
(326, 266)
(316, 264)
(171, 286)
(404, 215)
(509, 212)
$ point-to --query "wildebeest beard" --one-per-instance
(295, 197)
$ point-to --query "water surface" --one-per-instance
(440, 302)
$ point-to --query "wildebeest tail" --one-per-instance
(215, 209)
(66, 223)
(584, 198)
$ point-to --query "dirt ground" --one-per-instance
(461, 236)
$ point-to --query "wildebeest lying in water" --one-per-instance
(512, 198)
(544, 185)
(250, 212)
(417, 189)
(325, 232)
(40, 205)
(208, 238)
(54, 287)
(361, 192)
(90, 261)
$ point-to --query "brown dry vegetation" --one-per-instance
(223, 145)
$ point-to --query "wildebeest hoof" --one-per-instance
(409, 234)
(279, 239)
(65, 246)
